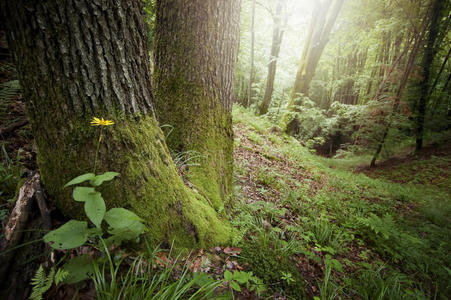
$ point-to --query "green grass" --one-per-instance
(394, 237)
(142, 280)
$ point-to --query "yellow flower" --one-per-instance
(101, 122)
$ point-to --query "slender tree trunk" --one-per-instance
(196, 47)
(387, 75)
(317, 39)
(440, 72)
(402, 85)
(80, 59)
(428, 59)
(251, 72)
(275, 49)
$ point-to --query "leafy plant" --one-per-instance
(9, 90)
(247, 279)
(41, 282)
(10, 174)
(141, 279)
(123, 225)
(288, 278)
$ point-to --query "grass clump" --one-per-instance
(272, 268)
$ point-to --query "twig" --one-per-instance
(12, 127)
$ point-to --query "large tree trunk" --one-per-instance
(196, 48)
(79, 59)
(275, 49)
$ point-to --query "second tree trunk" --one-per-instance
(196, 46)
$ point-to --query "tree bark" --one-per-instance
(275, 49)
(196, 50)
(80, 59)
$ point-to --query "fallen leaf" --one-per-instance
(232, 250)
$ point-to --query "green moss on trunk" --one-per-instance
(148, 185)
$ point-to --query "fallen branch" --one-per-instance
(18, 220)
(12, 127)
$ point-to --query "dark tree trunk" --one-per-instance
(275, 49)
(445, 60)
(196, 49)
(428, 59)
(80, 59)
(400, 91)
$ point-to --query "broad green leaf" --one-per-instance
(70, 235)
(121, 217)
(80, 179)
(82, 193)
(124, 223)
(99, 179)
(79, 268)
(114, 239)
(241, 277)
(235, 286)
(228, 275)
(202, 279)
(95, 209)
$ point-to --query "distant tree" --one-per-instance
(429, 54)
(277, 35)
(195, 53)
(415, 47)
(324, 16)
(251, 72)
(82, 59)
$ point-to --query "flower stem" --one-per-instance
(97, 151)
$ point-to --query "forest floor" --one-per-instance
(337, 230)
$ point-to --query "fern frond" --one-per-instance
(41, 283)
(60, 276)
(9, 90)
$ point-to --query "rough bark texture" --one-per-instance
(77, 59)
(277, 35)
(195, 54)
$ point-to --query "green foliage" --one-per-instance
(41, 282)
(328, 289)
(247, 279)
(270, 267)
(9, 90)
(78, 269)
(383, 283)
(124, 225)
(288, 278)
(11, 171)
(70, 235)
(141, 280)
